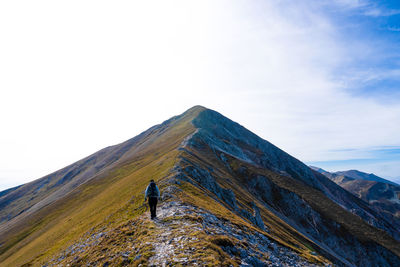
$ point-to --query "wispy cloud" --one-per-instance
(362, 78)
(381, 12)
(291, 71)
(394, 29)
(366, 7)
(350, 4)
(306, 83)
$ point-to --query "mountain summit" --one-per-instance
(229, 198)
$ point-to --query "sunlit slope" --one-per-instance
(63, 219)
(34, 195)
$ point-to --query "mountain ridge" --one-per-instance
(209, 164)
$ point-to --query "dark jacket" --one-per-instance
(147, 193)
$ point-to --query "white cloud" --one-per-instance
(285, 78)
(364, 7)
(81, 75)
(351, 4)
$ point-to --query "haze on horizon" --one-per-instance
(319, 79)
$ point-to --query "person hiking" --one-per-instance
(153, 194)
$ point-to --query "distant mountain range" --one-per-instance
(229, 198)
(382, 194)
(354, 175)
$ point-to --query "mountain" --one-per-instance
(229, 198)
(353, 175)
(382, 194)
(357, 175)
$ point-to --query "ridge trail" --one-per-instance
(173, 237)
(183, 233)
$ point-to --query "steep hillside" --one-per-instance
(380, 193)
(229, 198)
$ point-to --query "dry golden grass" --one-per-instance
(108, 198)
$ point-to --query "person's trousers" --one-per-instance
(153, 206)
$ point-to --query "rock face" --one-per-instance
(233, 145)
(225, 136)
(229, 198)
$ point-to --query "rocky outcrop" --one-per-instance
(203, 178)
(223, 135)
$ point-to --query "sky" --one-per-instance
(319, 79)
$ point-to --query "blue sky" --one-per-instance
(375, 26)
(319, 79)
(373, 73)
(381, 160)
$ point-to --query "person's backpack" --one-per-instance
(152, 190)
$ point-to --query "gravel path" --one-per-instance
(172, 243)
(175, 240)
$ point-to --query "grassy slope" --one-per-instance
(108, 196)
(22, 198)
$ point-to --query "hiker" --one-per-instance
(153, 194)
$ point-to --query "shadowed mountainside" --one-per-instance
(380, 193)
(237, 198)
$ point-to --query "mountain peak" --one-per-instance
(195, 110)
(229, 198)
